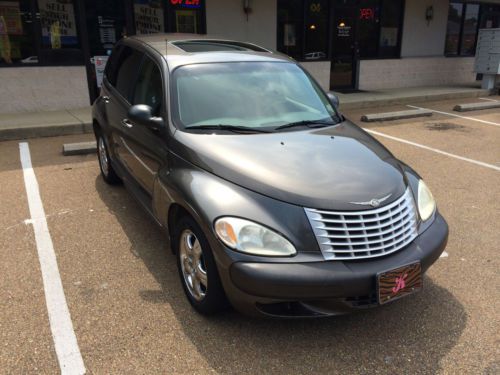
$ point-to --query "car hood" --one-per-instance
(325, 168)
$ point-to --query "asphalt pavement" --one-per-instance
(129, 312)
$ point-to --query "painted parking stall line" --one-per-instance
(63, 335)
(489, 100)
(454, 115)
(482, 164)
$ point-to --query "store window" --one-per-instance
(16, 33)
(316, 30)
(368, 28)
(309, 29)
(57, 18)
(290, 27)
(391, 15)
(149, 16)
(462, 29)
(490, 16)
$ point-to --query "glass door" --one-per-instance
(344, 48)
(17, 39)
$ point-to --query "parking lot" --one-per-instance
(127, 306)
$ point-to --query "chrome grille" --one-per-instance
(365, 234)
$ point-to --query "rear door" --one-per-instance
(147, 146)
(119, 86)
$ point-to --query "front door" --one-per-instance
(344, 48)
(147, 146)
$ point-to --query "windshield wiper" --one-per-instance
(308, 123)
(233, 128)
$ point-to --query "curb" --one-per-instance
(391, 116)
(51, 130)
(476, 106)
(81, 148)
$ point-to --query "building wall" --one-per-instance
(226, 18)
(416, 71)
(422, 39)
(43, 88)
(320, 70)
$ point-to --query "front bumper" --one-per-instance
(328, 287)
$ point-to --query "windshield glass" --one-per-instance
(250, 94)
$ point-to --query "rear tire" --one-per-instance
(108, 173)
(197, 269)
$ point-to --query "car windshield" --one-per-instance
(258, 95)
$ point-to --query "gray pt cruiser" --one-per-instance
(272, 201)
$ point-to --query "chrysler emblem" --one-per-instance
(374, 202)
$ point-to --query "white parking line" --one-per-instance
(488, 99)
(63, 335)
(482, 164)
(454, 115)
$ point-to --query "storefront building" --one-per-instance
(48, 47)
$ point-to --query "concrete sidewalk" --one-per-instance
(45, 124)
(78, 121)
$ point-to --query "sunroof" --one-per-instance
(216, 46)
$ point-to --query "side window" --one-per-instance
(128, 64)
(149, 89)
(110, 70)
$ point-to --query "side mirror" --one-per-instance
(334, 99)
(142, 114)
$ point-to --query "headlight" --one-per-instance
(426, 202)
(252, 238)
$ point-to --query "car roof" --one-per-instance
(183, 49)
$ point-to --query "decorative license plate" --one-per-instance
(399, 282)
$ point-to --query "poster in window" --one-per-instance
(148, 16)
(388, 36)
(107, 32)
(58, 23)
(290, 37)
(11, 18)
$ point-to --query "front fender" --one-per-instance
(207, 197)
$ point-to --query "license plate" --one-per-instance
(399, 282)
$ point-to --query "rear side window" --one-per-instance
(127, 69)
(149, 88)
(111, 66)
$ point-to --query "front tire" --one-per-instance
(197, 269)
(108, 173)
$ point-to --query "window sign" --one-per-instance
(149, 17)
(58, 23)
(107, 32)
(100, 65)
(11, 18)
(388, 36)
(366, 14)
(343, 30)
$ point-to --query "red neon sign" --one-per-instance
(366, 14)
(186, 3)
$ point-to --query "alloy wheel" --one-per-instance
(103, 156)
(193, 267)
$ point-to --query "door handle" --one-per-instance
(106, 99)
(127, 123)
